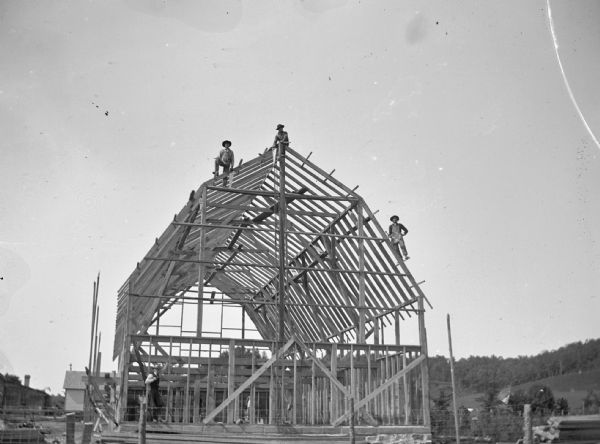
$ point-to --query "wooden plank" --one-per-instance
(272, 396)
(381, 389)
(313, 394)
(210, 388)
(334, 393)
(230, 382)
(249, 381)
(295, 392)
(196, 409)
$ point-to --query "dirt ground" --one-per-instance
(55, 430)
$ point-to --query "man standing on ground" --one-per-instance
(397, 232)
(225, 159)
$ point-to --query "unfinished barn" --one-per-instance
(274, 303)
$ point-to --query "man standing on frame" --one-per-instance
(281, 138)
(397, 232)
(225, 160)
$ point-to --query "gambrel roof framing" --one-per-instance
(318, 244)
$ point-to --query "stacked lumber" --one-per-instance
(576, 428)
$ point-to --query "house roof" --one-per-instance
(74, 380)
(332, 238)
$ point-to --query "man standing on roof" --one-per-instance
(225, 159)
(397, 232)
(281, 139)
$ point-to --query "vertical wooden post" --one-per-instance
(527, 430)
(313, 394)
(231, 383)
(424, 364)
(361, 277)
(295, 388)
(186, 409)
(369, 376)
(201, 266)
(352, 373)
(142, 421)
(334, 390)
(454, 408)
(70, 425)
(87, 433)
(406, 388)
(125, 350)
(272, 397)
(397, 326)
(282, 242)
(352, 434)
(243, 321)
(210, 392)
(196, 410)
(251, 408)
(169, 407)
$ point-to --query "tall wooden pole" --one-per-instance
(454, 408)
(282, 241)
(527, 429)
(201, 265)
(424, 364)
(361, 278)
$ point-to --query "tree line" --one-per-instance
(479, 373)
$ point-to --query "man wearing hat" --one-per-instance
(281, 138)
(225, 159)
(397, 232)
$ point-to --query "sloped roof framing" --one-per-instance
(334, 245)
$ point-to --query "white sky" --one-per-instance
(452, 114)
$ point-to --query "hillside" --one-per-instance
(570, 372)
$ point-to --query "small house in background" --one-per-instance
(74, 386)
(75, 392)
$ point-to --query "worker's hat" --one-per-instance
(226, 142)
(394, 217)
(280, 126)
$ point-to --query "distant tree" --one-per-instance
(441, 417)
(489, 401)
(12, 379)
(464, 420)
(591, 402)
(561, 407)
(541, 398)
(517, 400)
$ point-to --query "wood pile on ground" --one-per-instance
(576, 428)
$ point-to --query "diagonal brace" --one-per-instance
(380, 389)
(248, 381)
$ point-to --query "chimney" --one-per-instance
(26, 380)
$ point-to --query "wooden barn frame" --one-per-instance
(316, 282)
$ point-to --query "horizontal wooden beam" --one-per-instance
(287, 195)
(233, 301)
(272, 230)
(251, 264)
(261, 343)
